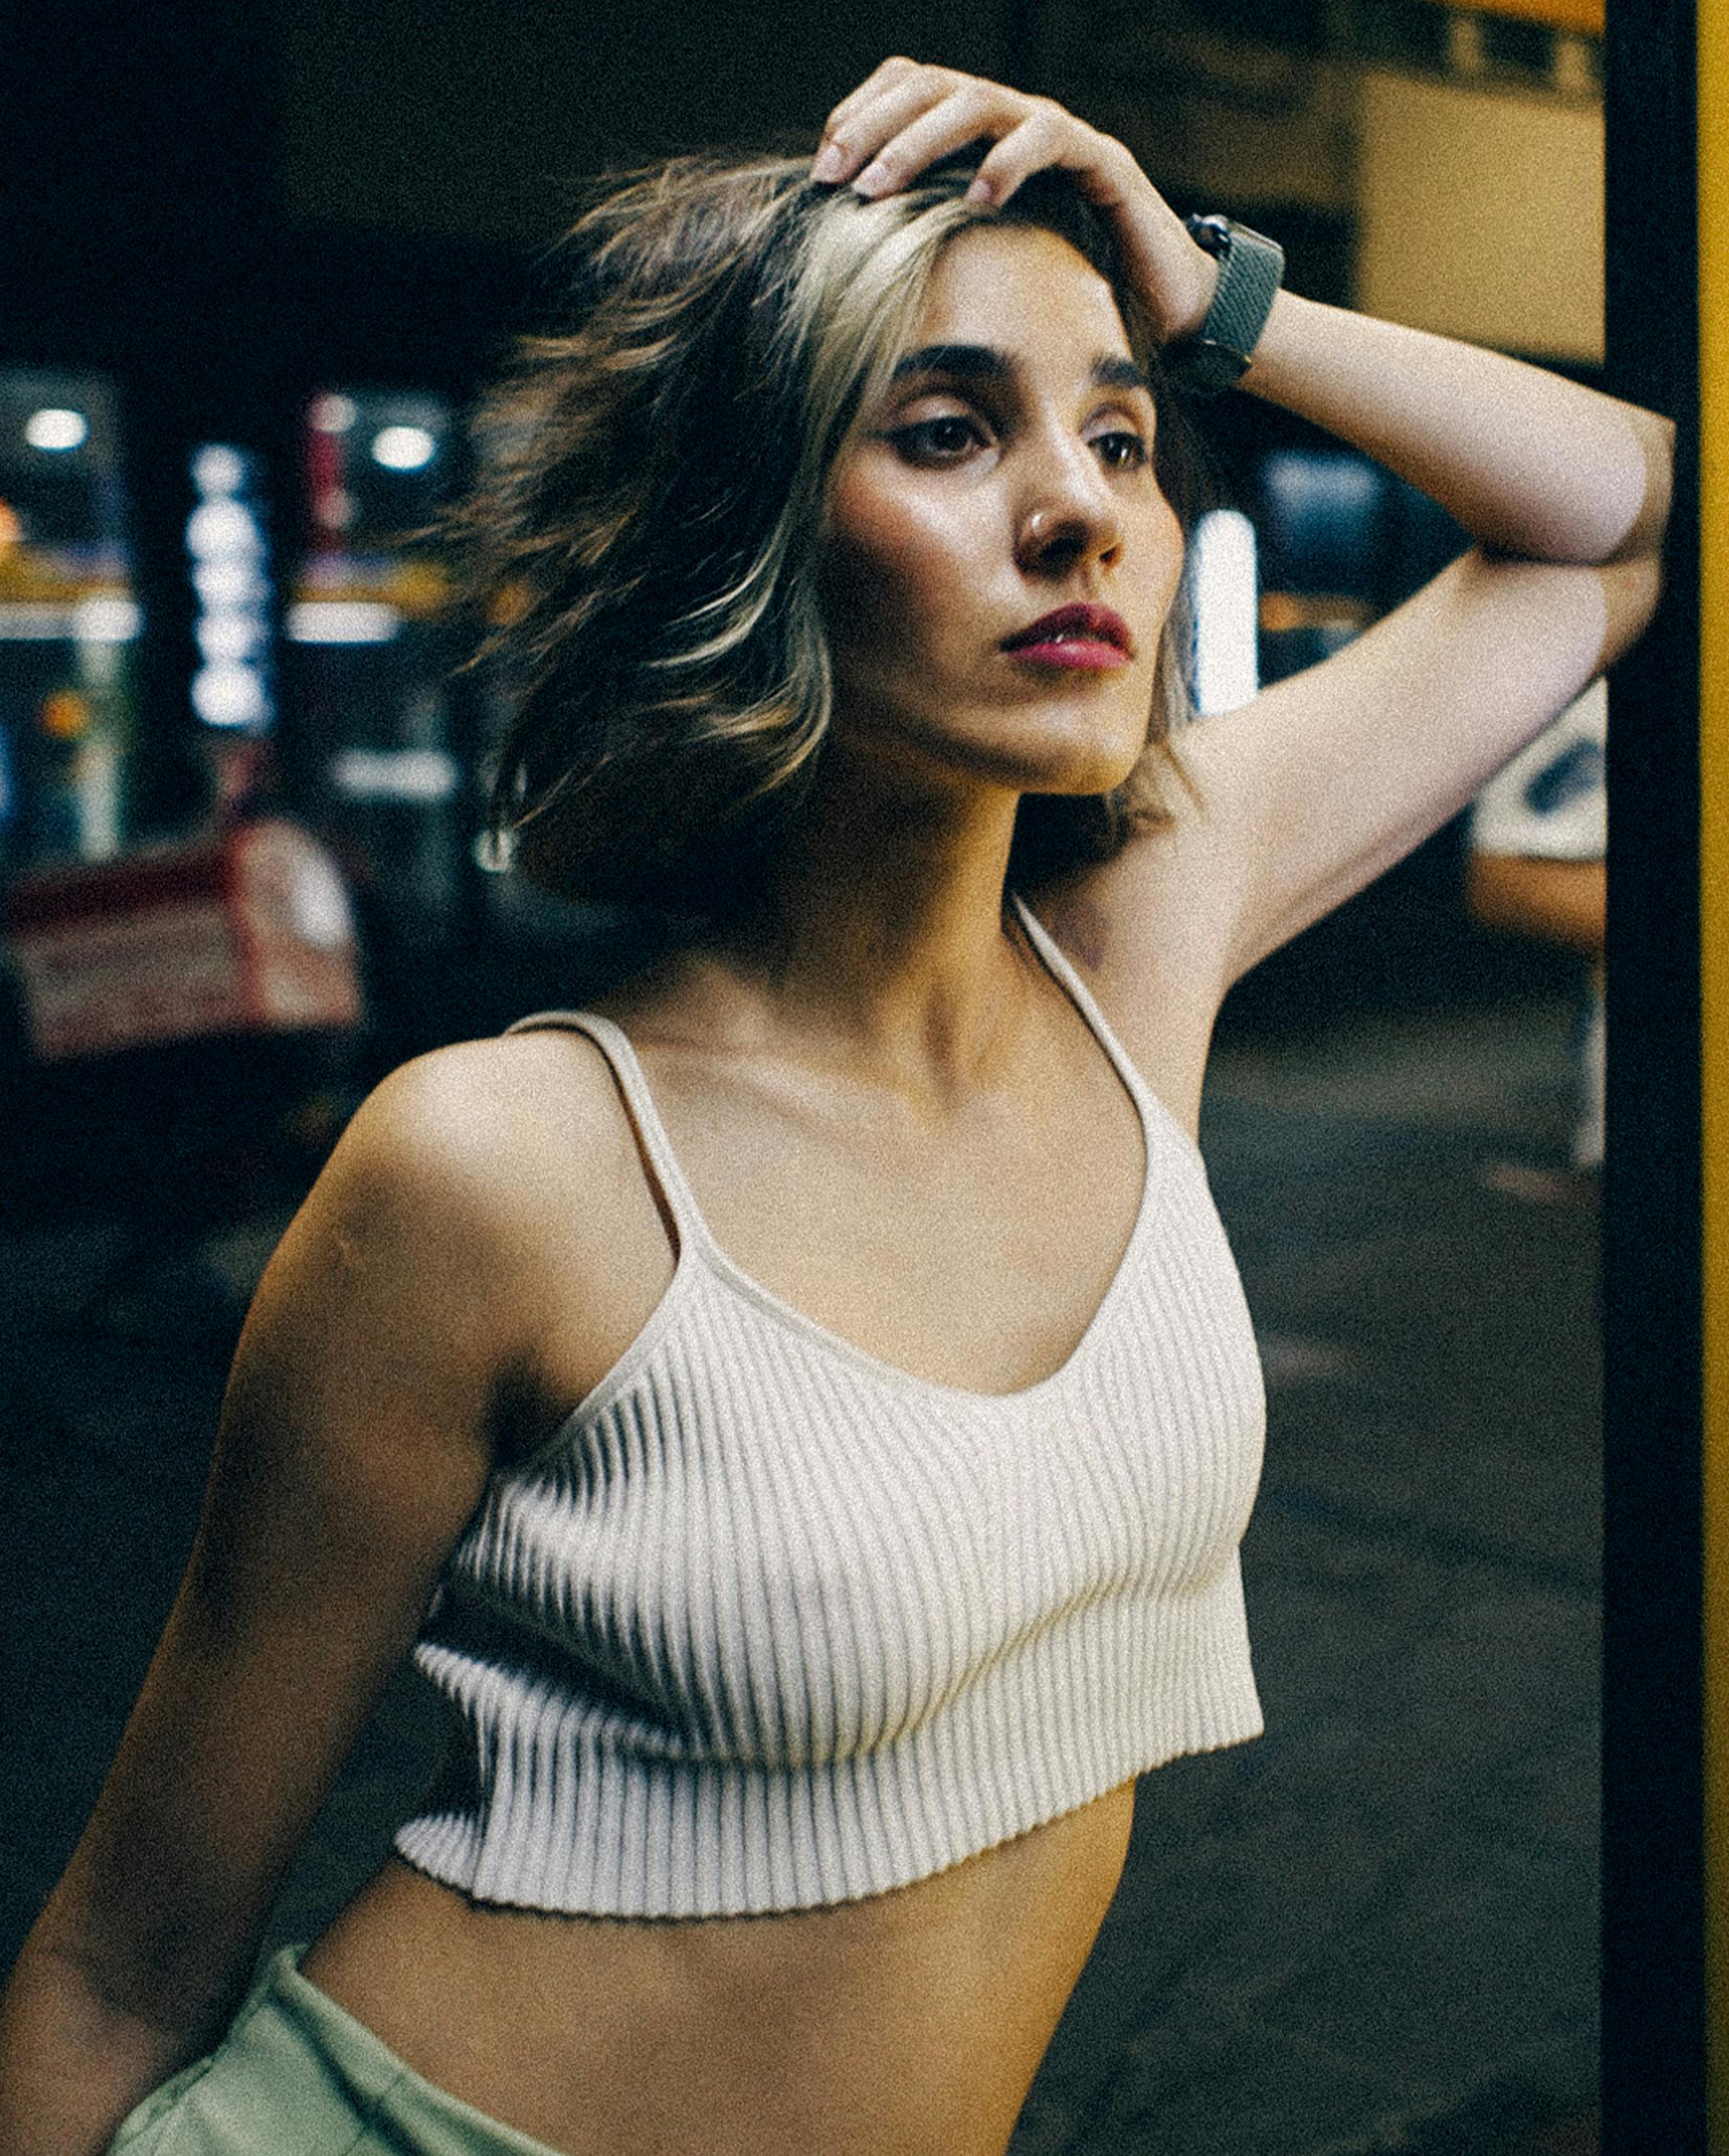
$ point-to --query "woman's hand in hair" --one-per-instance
(904, 117)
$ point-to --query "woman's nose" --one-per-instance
(1069, 517)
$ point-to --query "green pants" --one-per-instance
(297, 2076)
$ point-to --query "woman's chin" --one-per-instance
(1088, 751)
(1071, 767)
(1081, 753)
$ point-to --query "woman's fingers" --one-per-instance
(898, 91)
(1047, 135)
(864, 127)
(904, 117)
(857, 138)
(879, 78)
(960, 117)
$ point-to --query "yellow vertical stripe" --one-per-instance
(1714, 843)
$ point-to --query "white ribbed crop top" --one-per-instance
(769, 1624)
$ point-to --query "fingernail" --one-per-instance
(981, 190)
(830, 162)
(873, 179)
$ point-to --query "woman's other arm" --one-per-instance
(354, 1442)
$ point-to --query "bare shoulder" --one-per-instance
(484, 1126)
(485, 1206)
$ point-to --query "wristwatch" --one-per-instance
(1250, 266)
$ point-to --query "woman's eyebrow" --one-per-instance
(973, 363)
(1120, 374)
(983, 362)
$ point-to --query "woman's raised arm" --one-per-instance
(1329, 777)
(354, 1442)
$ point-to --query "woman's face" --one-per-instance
(1000, 558)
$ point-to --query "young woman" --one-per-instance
(805, 1413)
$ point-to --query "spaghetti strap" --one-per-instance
(614, 1045)
(1066, 977)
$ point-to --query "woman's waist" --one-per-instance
(938, 1998)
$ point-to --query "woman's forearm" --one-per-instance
(1529, 463)
(111, 1992)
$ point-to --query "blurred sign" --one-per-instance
(1438, 166)
(248, 932)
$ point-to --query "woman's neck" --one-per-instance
(883, 924)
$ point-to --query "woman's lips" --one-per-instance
(1082, 638)
(1078, 653)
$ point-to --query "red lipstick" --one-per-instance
(1090, 639)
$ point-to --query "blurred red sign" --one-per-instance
(248, 932)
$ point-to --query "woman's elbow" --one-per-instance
(1655, 436)
(1632, 590)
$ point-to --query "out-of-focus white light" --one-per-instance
(341, 621)
(229, 583)
(110, 620)
(395, 774)
(225, 538)
(403, 448)
(218, 470)
(318, 905)
(334, 414)
(1222, 572)
(229, 633)
(55, 427)
(223, 530)
(229, 695)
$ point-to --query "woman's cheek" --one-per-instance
(899, 577)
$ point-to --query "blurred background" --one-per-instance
(256, 261)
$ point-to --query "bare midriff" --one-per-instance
(907, 2024)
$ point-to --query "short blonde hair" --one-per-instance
(645, 529)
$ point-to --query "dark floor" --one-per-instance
(1374, 1931)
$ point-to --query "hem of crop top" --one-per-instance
(698, 1247)
(1222, 1709)
(1247, 1731)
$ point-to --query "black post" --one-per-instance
(1653, 1962)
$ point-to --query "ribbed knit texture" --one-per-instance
(769, 1624)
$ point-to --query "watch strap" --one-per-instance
(1250, 269)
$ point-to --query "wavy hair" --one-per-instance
(645, 529)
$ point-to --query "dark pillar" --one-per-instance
(1654, 2072)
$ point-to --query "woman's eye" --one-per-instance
(1121, 450)
(939, 441)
